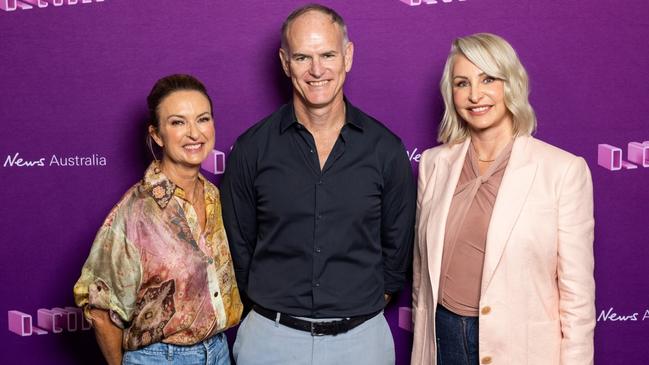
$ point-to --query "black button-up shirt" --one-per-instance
(319, 242)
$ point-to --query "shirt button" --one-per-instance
(216, 294)
(486, 360)
(486, 310)
(311, 151)
(317, 285)
(317, 249)
(319, 216)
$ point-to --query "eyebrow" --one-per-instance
(183, 117)
(298, 54)
(465, 77)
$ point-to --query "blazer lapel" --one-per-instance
(447, 174)
(512, 194)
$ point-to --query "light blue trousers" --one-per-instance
(261, 341)
(213, 351)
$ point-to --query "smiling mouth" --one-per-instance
(318, 83)
(193, 146)
(479, 109)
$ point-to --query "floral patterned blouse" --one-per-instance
(160, 277)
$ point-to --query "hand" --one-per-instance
(109, 336)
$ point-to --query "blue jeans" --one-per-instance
(457, 338)
(213, 351)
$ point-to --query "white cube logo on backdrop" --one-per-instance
(11, 5)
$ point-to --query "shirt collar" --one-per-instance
(158, 186)
(288, 118)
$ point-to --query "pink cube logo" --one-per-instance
(11, 5)
(20, 323)
(638, 153)
(50, 320)
(55, 320)
(610, 157)
(214, 162)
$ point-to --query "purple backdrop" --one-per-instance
(74, 75)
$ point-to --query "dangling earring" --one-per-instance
(150, 144)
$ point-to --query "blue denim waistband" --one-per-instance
(167, 348)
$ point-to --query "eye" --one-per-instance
(461, 83)
(177, 122)
(328, 56)
(299, 58)
(204, 119)
(488, 80)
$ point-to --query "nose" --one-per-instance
(475, 94)
(316, 69)
(192, 130)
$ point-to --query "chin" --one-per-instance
(191, 162)
(319, 102)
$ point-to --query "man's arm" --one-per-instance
(239, 212)
(397, 220)
(109, 336)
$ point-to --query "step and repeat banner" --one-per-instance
(74, 75)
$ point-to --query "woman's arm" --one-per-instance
(575, 265)
(416, 262)
(425, 165)
(109, 336)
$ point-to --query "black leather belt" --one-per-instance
(330, 328)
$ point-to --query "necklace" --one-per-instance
(477, 155)
(481, 160)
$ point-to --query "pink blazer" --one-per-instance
(537, 303)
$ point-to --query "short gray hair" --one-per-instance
(335, 18)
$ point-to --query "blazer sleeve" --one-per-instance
(416, 260)
(576, 264)
(425, 166)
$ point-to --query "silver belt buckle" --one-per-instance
(313, 330)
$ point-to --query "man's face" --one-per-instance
(316, 59)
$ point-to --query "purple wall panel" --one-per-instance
(74, 76)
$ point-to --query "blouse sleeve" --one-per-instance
(111, 276)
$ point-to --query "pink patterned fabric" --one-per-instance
(162, 279)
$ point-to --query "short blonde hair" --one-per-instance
(496, 57)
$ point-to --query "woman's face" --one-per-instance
(479, 98)
(186, 130)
